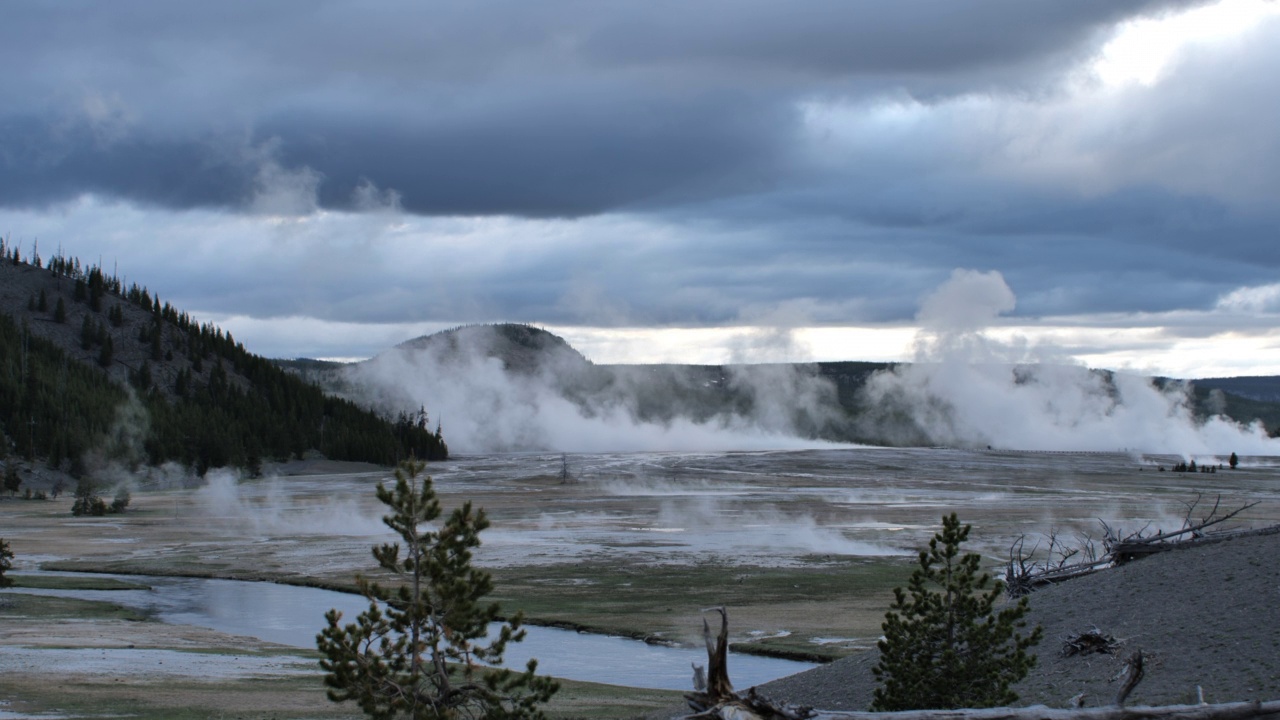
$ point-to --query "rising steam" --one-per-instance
(271, 507)
(968, 389)
(557, 400)
(506, 388)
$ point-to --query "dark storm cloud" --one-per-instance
(42, 164)
(549, 108)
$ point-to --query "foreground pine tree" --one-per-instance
(418, 650)
(944, 647)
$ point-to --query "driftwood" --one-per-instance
(713, 697)
(1227, 711)
(1023, 575)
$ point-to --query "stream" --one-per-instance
(292, 615)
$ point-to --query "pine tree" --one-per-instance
(88, 333)
(157, 335)
(107, 352)
(944, 647)
(6, 563)
(416, 651)
(12, 481)
(87, 500)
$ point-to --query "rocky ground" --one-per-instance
(1205, 618)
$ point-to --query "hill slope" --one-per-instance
(1204, 617)
(88, 367)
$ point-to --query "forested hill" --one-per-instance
(89, 368)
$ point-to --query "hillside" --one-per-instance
(1261, 388)
(92, 372)
(1204, 617)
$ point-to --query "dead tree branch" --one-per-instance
(1086, 643)
(1133, 673)
(1023, 574)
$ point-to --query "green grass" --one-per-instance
(174, 699)
(16, 606)
(591, 701)
(58, 582)
(288, 697)
(639, 601)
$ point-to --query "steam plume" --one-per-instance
(968, 389)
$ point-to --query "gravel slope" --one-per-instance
(1207, 617)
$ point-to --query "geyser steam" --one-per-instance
(492, 395)
(966, 388)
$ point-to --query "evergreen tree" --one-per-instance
(6, 563)
(157, 335)
(944, 647)
(142, 378)
(121, 500)
(60, 312)
(12, 481)
(108, 351)
(88, 333)
(418, 656)
(87, 501)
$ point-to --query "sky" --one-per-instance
(663, 181)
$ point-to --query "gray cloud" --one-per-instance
(659, 163)
(557, 108)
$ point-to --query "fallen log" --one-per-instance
(1135, 549)
(1136, 545)
(1225, 711)
(1023, 576)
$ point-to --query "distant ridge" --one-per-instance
(817, 401)
(522, 349)
(1265, 388)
